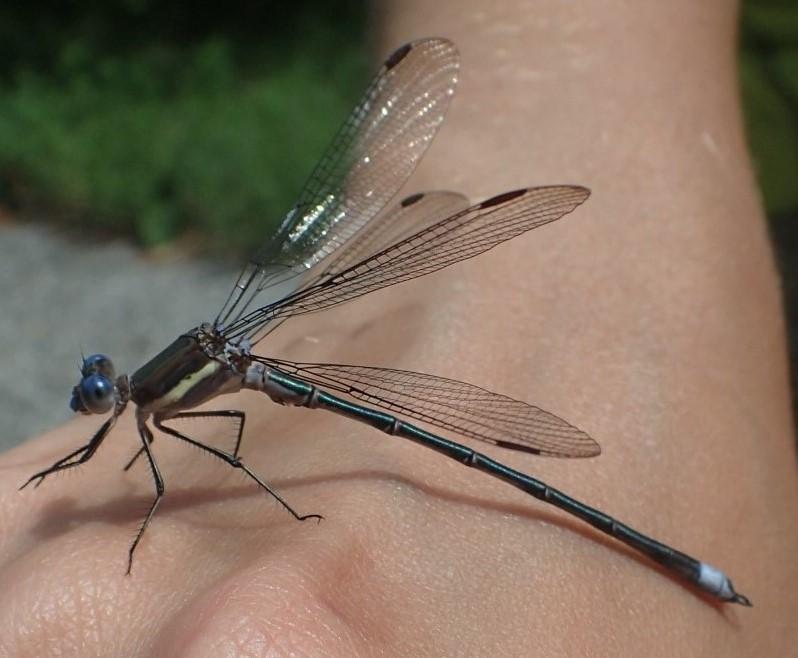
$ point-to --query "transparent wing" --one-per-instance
(458, 237)
(412, 214)
(370, 158)
(450, 405)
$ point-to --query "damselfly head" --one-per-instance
(95, 393)
(97, 363)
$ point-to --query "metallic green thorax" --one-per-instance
(180, 377)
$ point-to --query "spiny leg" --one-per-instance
(235, 462)
(69, 461)
(146, 439)
(224, 413)
(221, 413)
(139, 453)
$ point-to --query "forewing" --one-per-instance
(412, 214)
(463, 235)
(370, 158)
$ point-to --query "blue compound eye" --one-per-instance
(97, 363)
(96, 393)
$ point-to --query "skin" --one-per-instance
(651, 318)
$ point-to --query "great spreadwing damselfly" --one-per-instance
(341, 240)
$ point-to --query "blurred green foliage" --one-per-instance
(112, 118)
(141, 118)
(769, 75)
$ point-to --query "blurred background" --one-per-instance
(131, 152)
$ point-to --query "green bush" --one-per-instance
(112, 118)
(769, 76)
(215, 135)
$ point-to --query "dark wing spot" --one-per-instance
(410, 200)
(509, 445)
(502, 198)
(398, 56)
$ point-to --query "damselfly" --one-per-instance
(340, 241)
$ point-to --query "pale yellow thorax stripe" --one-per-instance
(187, 383)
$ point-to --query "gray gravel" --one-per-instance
(59, 295)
